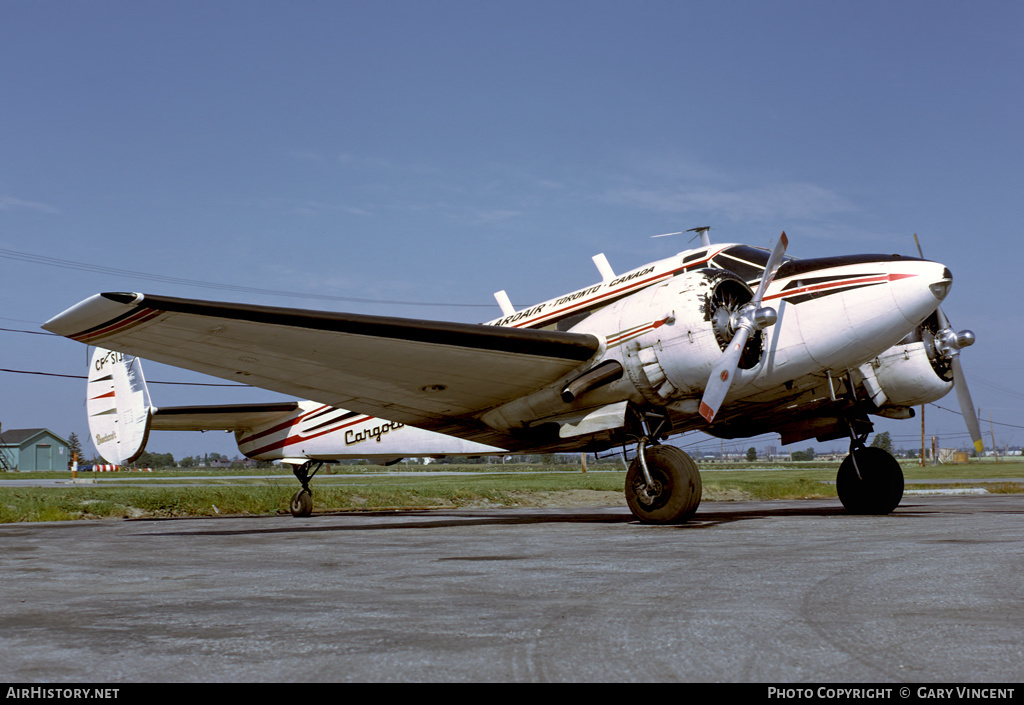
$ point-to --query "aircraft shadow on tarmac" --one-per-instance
(441, 519)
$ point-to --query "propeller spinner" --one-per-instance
(747, 319)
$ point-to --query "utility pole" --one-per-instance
(921, 463)
(992, 432)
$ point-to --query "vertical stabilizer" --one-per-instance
(118, 406)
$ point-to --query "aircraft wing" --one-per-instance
(434, 375)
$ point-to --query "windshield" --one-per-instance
(745, 261)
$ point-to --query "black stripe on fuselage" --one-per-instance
(337, 419)
(798, 267)
(818, 295)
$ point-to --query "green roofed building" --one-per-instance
(27, 449)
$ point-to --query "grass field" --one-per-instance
(202, 492)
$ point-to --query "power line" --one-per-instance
(29, 332)
(184, 384)
(85, 267)
(954, 411)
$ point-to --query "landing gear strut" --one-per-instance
(302, 501)
(870, 480)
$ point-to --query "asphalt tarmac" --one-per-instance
(764, 592)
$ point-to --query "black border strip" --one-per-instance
(540, 343)
(227, 408)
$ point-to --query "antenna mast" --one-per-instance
(705, 241)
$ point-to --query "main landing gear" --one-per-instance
(870, 480)
(662, 485)
(302, 501)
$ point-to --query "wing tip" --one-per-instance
(91, 312)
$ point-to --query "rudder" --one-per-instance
(118, 406)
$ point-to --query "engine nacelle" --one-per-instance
(660, 346)
(672, 334)
(906, 375)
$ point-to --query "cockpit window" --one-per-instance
(745, 261)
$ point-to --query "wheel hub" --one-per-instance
(649, 494)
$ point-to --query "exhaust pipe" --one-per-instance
(607, 371)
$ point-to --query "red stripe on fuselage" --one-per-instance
(283, 425)
(842, 283)
(293, 439)
(588, 303)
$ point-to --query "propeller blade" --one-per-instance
(721, 375)
(770, 269)
(963, 395)
(753, 318)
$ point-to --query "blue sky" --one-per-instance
(435, 152)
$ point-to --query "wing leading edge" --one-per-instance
(432, 374)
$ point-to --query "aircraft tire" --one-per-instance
(301, 504)
(878, 490)
(678, 487)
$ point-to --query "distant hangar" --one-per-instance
(27, 449)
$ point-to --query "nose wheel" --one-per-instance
(870, 481)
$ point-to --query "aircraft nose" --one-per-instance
(940, 288)
(921, 286)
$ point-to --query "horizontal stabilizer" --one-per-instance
(220, 417)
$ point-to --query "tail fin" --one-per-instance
(118, 406)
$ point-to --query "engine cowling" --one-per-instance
(911, 373)
(674, 333)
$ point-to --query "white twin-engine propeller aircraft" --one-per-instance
(731, 340)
